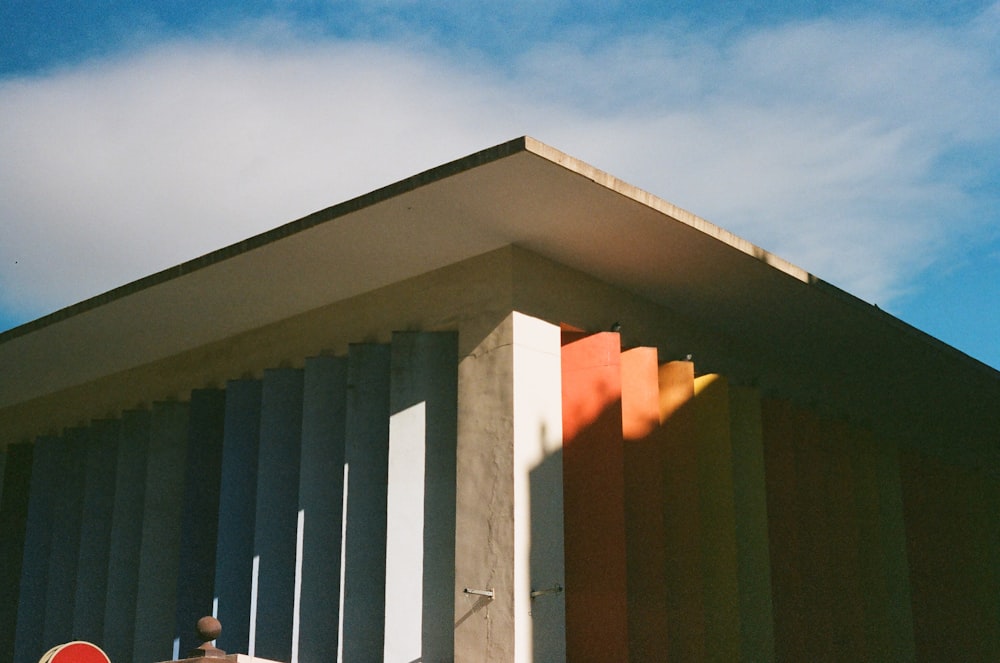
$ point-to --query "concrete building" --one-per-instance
(509, 409)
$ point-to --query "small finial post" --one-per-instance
(208, 629)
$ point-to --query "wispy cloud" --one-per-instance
(822, 141)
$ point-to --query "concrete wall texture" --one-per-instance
(488, 485)
(458, 419)
(686, 519)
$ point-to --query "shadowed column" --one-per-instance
(200, 520)
(718, 518)
(37, 547)
(366, 456)
(64, 555)
(95, 534)
(277, 512)
(952, 531)
(13, 530)
(781, 424)
(237, 510)
(161, 532)
(892, 543)
(645, 536)
(321, 494)
(125, 542)
(750, 498)
(847, 606)
(682, 514)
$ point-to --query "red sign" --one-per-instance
(75, 652)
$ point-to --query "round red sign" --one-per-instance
(75, 652)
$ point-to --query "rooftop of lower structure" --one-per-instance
(521, 193)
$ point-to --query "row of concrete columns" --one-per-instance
(547, 496)
(234, 502)
(706, 523)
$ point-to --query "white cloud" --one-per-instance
(817, 140)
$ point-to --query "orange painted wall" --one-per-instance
(854, 552)
(594, 499)
(682, 514)
(645, 535)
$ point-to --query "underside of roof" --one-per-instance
(526, 194)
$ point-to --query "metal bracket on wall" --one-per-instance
(479, 592)
(555, 589)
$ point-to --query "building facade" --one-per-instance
(509, 409)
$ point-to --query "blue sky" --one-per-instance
(860, 143)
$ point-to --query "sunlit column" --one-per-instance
(594, 498)
(420, 539)
(539, 565)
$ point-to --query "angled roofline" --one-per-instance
(752, 315)
(470, 162)
(268, 236)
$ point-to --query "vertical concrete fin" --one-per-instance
(321, 494)
(644, 518)
(872, 567)
(200, 520)
(125, 544)
(893, 544)
(781, 426)
(485, 509)
(275, 522)
(594, 498)
(37, 547)
(366, 453)
(13, 530)
(720, 567)
(100, 470)
(420, 543)
(539, 561)
(814, 474)
(159, 557)
(753, 548)
(682, 514)
(237, 512)
(843, 531)
(64, 556)
(951, 531)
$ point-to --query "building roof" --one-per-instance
(527, 194)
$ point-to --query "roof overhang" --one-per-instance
(523, 193)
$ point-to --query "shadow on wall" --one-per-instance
(741, 528)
